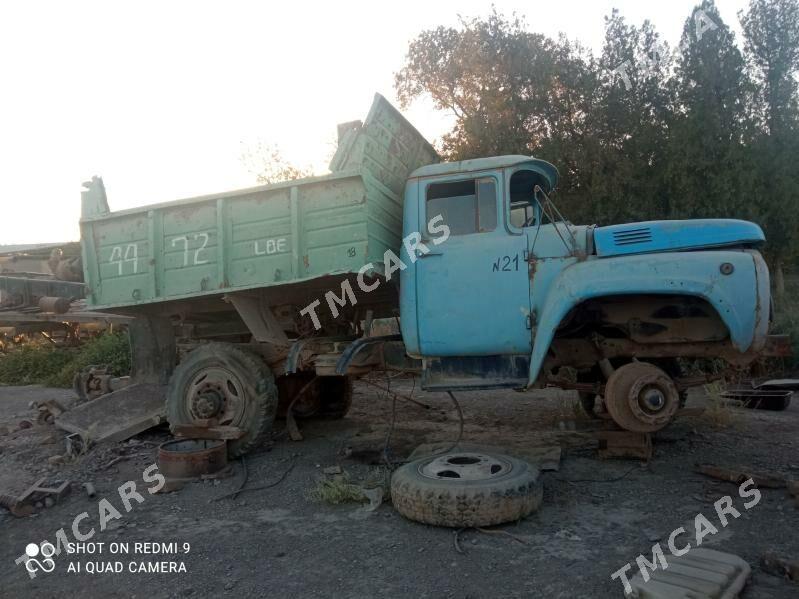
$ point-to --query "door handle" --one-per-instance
(421, 254)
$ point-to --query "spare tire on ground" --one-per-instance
(466, 489)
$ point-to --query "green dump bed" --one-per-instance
(262, 236)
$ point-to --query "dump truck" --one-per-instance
(252, 303)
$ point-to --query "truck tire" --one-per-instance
(641, 398)
(223, 382)
(466, 489)
(335, 393)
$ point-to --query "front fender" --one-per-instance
(741, 298)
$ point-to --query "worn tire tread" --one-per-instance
(466, 503)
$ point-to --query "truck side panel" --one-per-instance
(255, 238)
(259, 237)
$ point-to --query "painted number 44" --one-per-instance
(122, 255)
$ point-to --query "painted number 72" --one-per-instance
(185, 241)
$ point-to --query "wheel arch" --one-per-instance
(740, 304)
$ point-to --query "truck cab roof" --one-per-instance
(491, 163)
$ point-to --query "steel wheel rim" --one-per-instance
(466, 466)
(216, 393)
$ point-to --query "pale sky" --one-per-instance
(158, 97)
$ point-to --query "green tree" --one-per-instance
(511, 91)
(771, 31)
(506, 87)
(624, 176)
(710, 168)
(267, 164)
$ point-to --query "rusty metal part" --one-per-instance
(57, 305)
(37, 491)
(216, 393)
(13, 505)
(291, 423)
(187, 459)
(23, 505)
(585, 353)
(65, 268)
(49, 411)
(227, 433)
(739, 475)
(781, 567)
(75, 444)
(23, 291)
(624, 444)
(659, 319)
(95, 381)
(292, 390)
(640, 397)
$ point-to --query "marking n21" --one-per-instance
(506, 264)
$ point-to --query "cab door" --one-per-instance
(473, 291)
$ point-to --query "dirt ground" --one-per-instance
(596, 516)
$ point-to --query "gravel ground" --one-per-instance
(597, 514)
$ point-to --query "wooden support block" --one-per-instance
(624, 444)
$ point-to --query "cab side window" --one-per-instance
(466, 206)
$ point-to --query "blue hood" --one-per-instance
(674, 235)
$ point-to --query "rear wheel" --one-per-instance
(640, 397)
(223, 384)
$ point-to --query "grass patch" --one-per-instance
(32, 363)
(337, 490)
(41, 363)
(720, 412)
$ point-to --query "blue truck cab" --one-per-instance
(515, 293)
